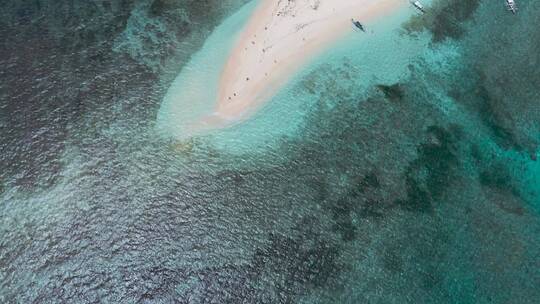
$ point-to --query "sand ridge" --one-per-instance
(280, 37)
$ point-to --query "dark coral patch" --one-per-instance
(429, 175)
(444, 19)
(395, 92)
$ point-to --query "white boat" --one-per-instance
(420, 7)
(511, 5)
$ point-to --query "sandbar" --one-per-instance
(280, 37)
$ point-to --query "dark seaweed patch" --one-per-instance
(355, 204)
(305, 260)
(363, 183)
(392, 260)
(444, 19)
(291, 264)
(429, 175)
(342, 214)
(497, 178)
(488, 113)
(418, 198)
(393, 92)
(372, 209)
(159, 7)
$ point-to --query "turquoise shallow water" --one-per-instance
(404, 174)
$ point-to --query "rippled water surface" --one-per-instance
(423, 187)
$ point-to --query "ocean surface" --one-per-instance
(401, 166)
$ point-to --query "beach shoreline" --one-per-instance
(279, 39)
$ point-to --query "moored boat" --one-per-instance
(512, 6)
(358, 25)
(418, 6)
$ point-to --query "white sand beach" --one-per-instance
(280, 37)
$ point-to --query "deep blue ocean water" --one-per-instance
(418, 188)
